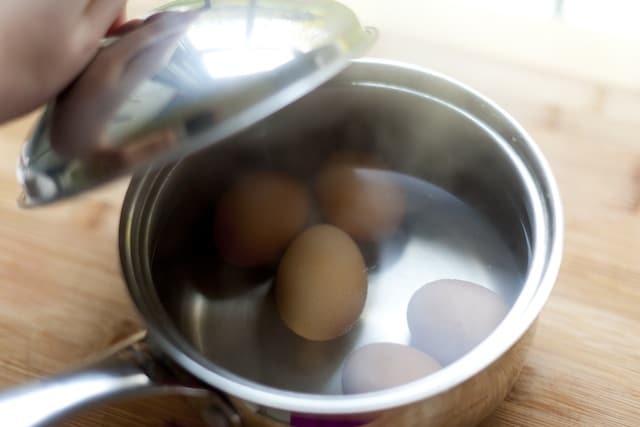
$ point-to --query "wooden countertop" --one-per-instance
(62, 297)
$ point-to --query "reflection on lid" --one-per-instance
(241, 47)
(244, 61)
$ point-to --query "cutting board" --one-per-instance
(62, 297)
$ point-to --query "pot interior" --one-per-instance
(469, 216)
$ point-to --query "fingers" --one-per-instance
(155, 29)
(126, 27)
(120, 21)
(149, 60)
(102, 14)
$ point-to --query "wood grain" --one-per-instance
(62, 297)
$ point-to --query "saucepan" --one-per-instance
(481, 206)
(227, 342)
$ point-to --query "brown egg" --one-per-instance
(258, 216)
(356, 194)
(321, 284)
(379, 366)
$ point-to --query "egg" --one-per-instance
(357, 194)
(448, 318)
(379, 366)
(258, 216)
(321, 284)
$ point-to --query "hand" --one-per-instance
(83, 112)
(44, 44)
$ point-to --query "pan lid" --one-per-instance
(183, 79)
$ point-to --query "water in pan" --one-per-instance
(229, 314)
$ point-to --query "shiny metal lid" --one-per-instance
(181, 80)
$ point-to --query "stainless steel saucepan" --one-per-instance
(215, 331)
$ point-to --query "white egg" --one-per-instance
(380, 366)
(448, 318)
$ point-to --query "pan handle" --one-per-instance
(127, 369)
